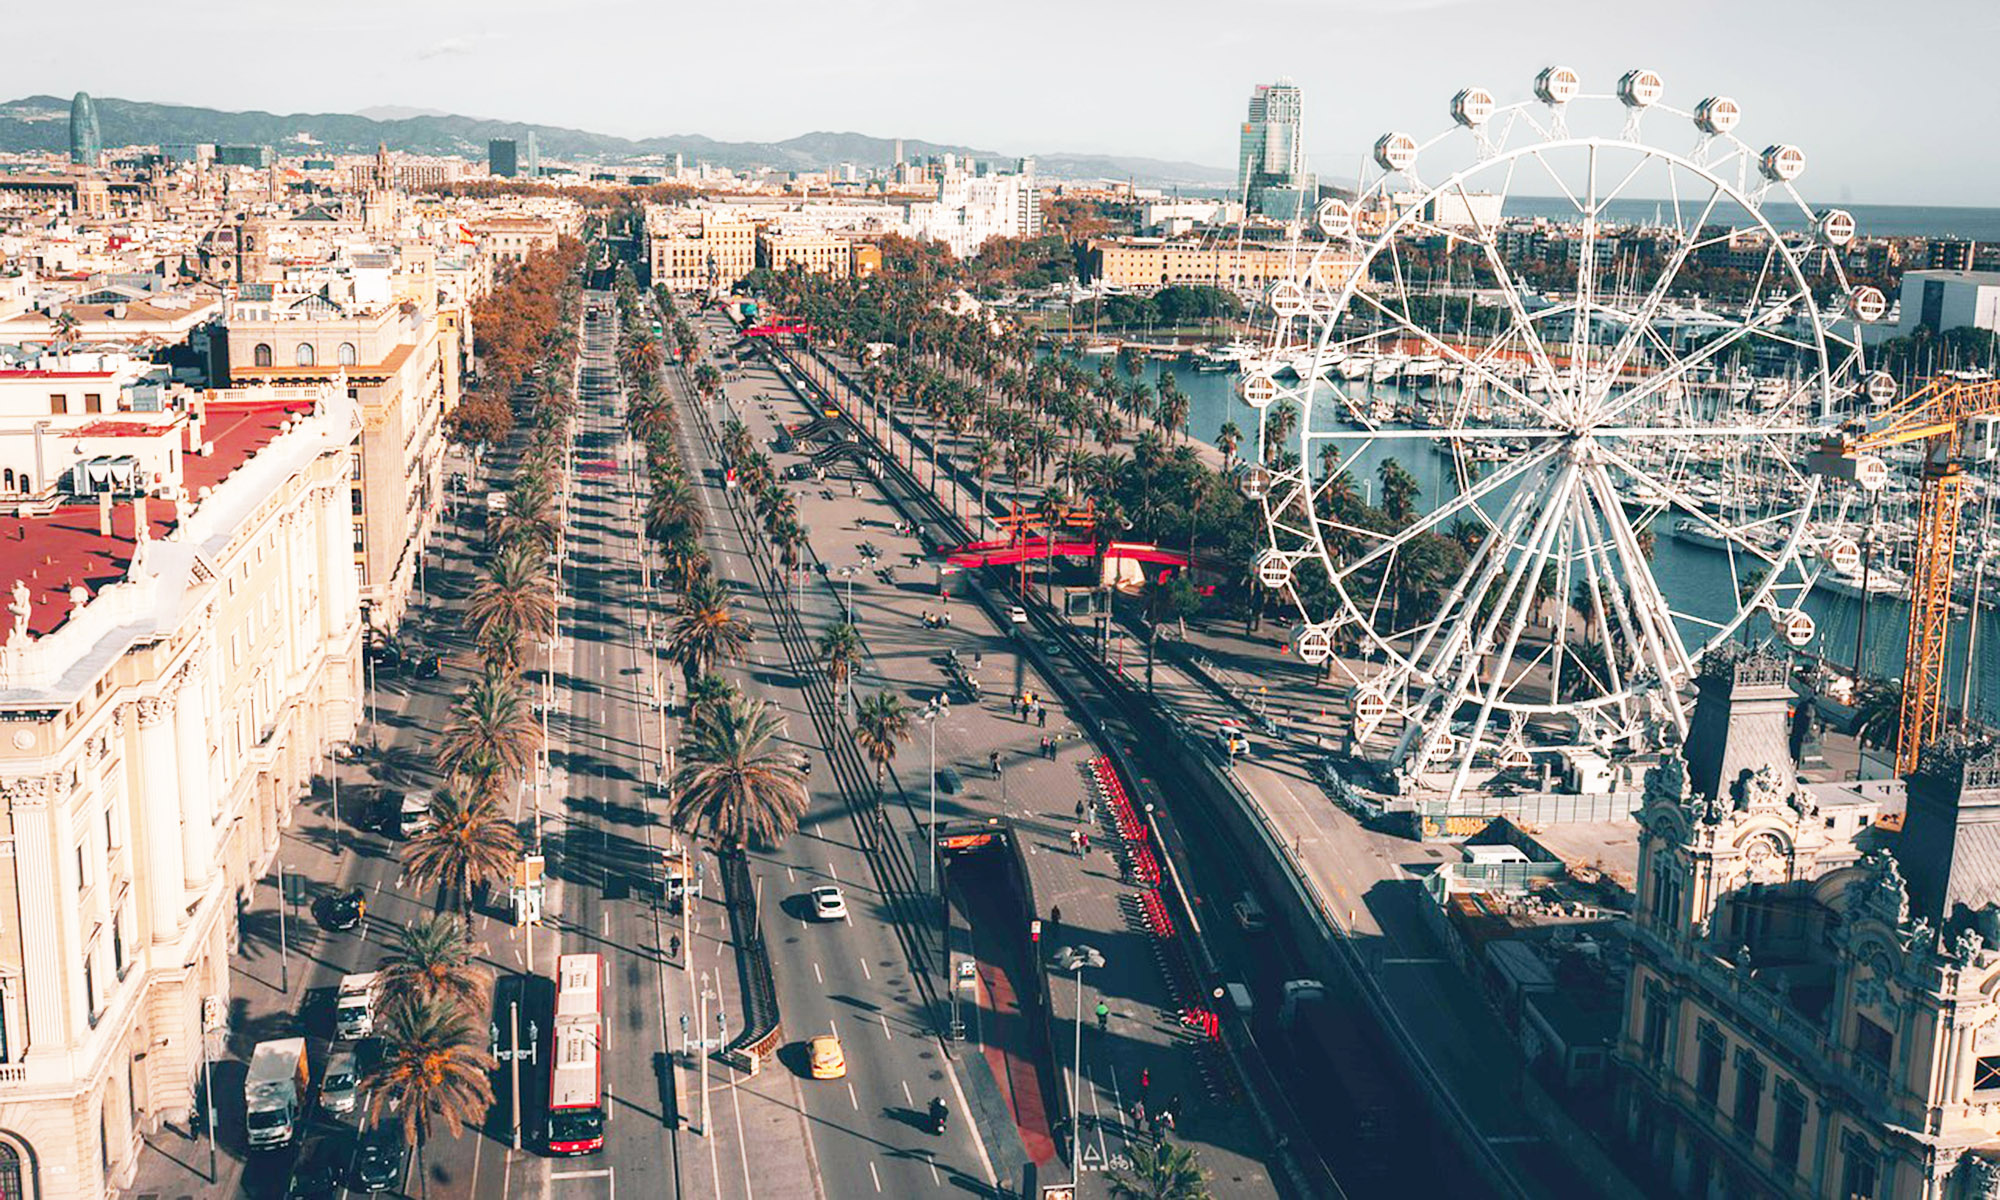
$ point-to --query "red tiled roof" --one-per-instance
(55, 553)
(115, 428)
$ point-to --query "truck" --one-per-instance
(354, 1007)
(1349, 1056)
(273, 1091)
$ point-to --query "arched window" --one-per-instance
(7, 479)
(345, 355)
(261, 356)
(11, 1183)
(305, 357)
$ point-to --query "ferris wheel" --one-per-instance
(1536, 412)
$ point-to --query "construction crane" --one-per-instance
(1957, 420)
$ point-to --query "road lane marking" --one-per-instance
(817, 977)
(907, 1098)
(856, 1102)
(865, 973)
(832, 872)
(873, 1175)
(886, 1035)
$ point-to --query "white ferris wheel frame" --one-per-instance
(1570, 454)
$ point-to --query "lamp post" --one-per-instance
(284, 955)
(930, 719)
(1077, 958)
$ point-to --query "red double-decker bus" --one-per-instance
(576, 1058)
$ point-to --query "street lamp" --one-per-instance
(847, 573)
(932, 710)
(1076, 958)
(512, 1056)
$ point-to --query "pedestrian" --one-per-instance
(1076, 841)
(1138, 1114)
(1042, 715)
(1103, 1015)
(993, 760)
(1167, 1120)
(1013, 706)
(1055, 921)
(1145, 1081)
(1079, 803)
(1086, 840)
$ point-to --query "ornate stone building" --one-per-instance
(173, 671)
(1812, 1007)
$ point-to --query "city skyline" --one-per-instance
(1868, 143)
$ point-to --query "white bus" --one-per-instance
(576, 1058)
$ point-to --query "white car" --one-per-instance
(1017, 614)
(828, 904)
(341, 1091)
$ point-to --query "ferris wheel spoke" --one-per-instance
(1517, 314)
(1642, 321)
(1522, 584)
(1683, 365)
(1722, 529)
(1457, 356)
(1459, 503)
(1586, 292)
(1487, 560)
(1670, 660)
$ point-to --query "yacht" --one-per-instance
(1688, 529)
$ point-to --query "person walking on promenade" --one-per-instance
(1103, 1015)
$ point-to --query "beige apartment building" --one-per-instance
(177, 658)
(1813, 1007)
(512, 239)
(1147, 263)
(387, 343)
(814, 253)
(694, 250)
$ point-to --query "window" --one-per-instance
(90, 986)
(1789, 1131)
(1749, 1104)
(345, 355)
(58, 403)
(1859, 1169)
(1986, 1073)
(82, 871)
(1666, 890)
(1872, 1042)
(304, 354)
(1708, 1063)
(93, 402)
(1658, 1013)
(261, 355)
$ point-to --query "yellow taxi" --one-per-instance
(823, 1052)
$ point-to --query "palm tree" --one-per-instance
(1227, 439)
(434, 1069)
(880, 725)
(490, 725)
(469, 843)
(514, 593)
(736, 777)
(709, 691)
(435, 960)
(705, 633)
(1160, 1171)
(1878, 713)
(840, 649)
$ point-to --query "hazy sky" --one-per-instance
(1892, 102)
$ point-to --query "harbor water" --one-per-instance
(1694, 577)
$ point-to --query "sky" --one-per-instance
(1891, 102)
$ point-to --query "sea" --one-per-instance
(1696, 578)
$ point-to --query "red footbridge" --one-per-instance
(1010, 553)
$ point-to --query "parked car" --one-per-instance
(340, 1090)
(1017, 614)
(378, 1158)
(318, 1171)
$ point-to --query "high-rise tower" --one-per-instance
(1271, 161)
(85, 144)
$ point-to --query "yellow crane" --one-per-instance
(1944, 415)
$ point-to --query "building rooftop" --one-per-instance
(52, 554)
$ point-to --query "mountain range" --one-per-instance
(41, 123)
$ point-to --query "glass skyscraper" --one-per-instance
(85, 143)
(1271, 162)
